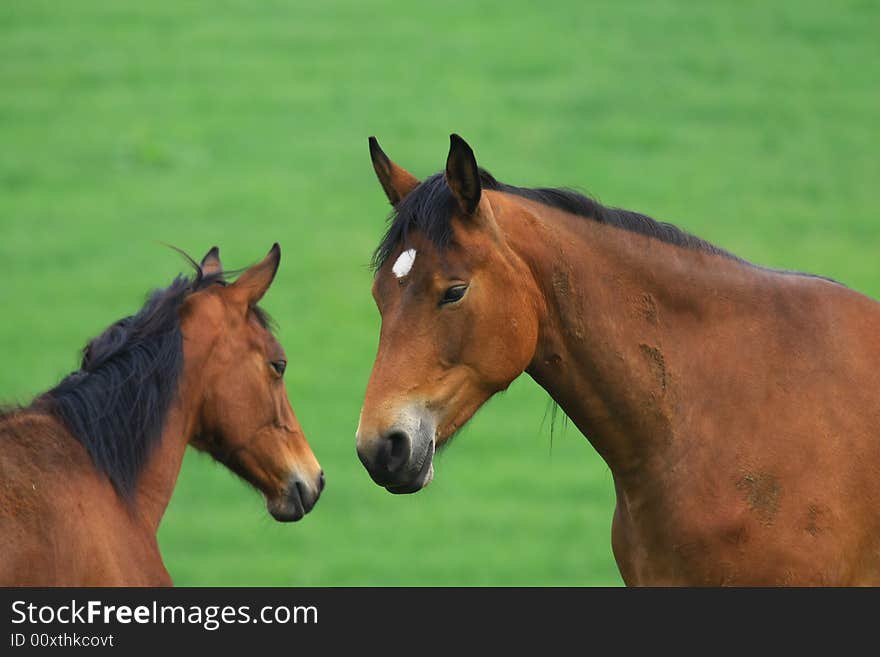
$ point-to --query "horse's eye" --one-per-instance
(453, 294)
(279, 366)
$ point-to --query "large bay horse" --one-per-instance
(737, 407)
(87, 470)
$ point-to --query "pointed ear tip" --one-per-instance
(456, 143)
(214, 251)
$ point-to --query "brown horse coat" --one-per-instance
(737, 407)
(83, 483)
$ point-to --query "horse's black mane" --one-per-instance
(117, 402)
(430, 206)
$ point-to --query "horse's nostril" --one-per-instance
(397, 450)
(321, 481)
(302, 491)
(385, 455)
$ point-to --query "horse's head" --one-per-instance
(245, 419)
(459, 322)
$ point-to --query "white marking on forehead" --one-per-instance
(404, 263)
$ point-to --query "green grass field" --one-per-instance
(751, 124)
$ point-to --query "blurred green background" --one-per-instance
(751, 124)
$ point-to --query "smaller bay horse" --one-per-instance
(87, 470)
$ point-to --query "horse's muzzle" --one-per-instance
(402, 458)
(297, 499)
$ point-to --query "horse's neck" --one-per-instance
(620, 310)
(157, 481)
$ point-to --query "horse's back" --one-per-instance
(783, 435)
(60, 523)
(809, 484)
(855, 396)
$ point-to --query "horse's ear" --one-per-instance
(250, 287)
(396, 181)
(462, 174)
(210, 264)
